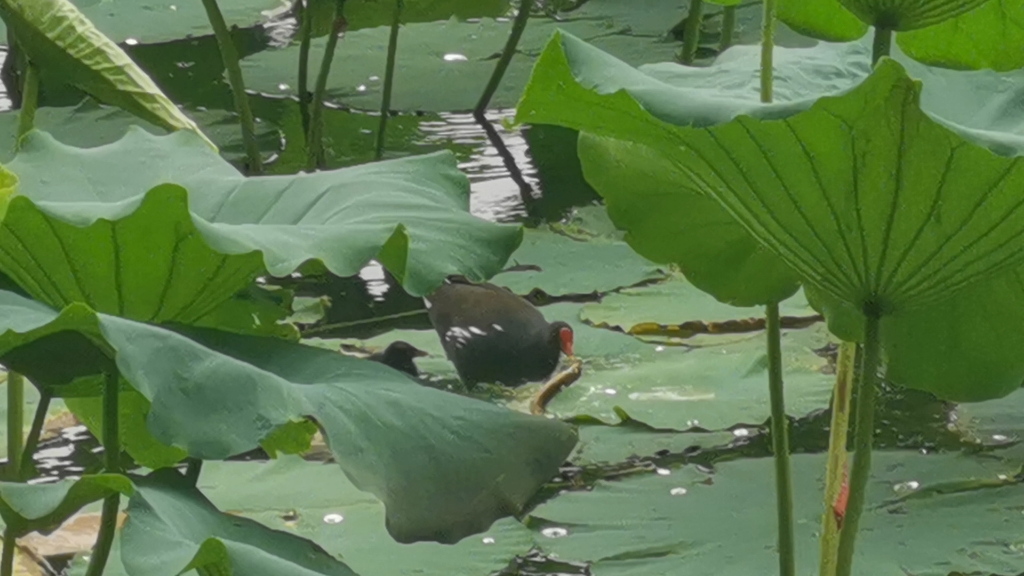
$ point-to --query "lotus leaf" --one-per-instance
(85, 228)
(400, 441)
(66, 45)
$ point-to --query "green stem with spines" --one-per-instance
(315, 138)
(838, 429)
(691, 31)
(728, 27)
(305, 40)
(767, 45)
(15, 423)
(7, 556)
(29, 104)
(111, 465)
(780, 444)
(867, 384)
(881, 44)
(229, 57)
(35, 432)
(518, 26)
(389, 80)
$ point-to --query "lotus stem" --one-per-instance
(35, 432)
(863, 438)
(15, 423)
(518, 26)
(305, 39)
(881, 44)
(193, 469)
(389, 80)
(691, 31)
(111, 465)
(7, 556)
(728, 27)
(767, 46)
(29, 103)
(780, 444)
(229, 56)
(314, 140)
(835, 470)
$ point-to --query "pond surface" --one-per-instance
(673, 472)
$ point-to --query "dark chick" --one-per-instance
(399, 355)
(493, 335)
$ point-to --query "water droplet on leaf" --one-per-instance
(333, 519)
(554, 532)
(455, 58)
(678, 491)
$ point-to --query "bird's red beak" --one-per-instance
(565, 336)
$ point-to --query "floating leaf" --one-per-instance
(172, 528)
(646, 526)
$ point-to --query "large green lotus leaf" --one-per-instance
(714, 387)
(44, 507)
(289, 494)
(152, 21)
(91, 124)
(172, 528)
(964, 349)
(444, 466)
(575, 265)
(670, 222)
(94, 234)
(725, 522)
(822, 19)
(989, 36)
(64, 44)
(909, 14)
(825, 198)
(676, 302)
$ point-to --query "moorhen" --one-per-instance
(492, 335)
(399, 355)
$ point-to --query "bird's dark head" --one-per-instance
(562, 333)
(399, 355)
(402, 349)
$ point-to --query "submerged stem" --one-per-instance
(836, 466)
(780, 444)
(691, 31)
(29, 103)
(315, 138)
(229, 56)
(518, 26)
(15, 423)
(193, 469)
(767, 46)
(7, 556)
(881, 44)
(389, 80)
(111, 465)
(863, 438)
